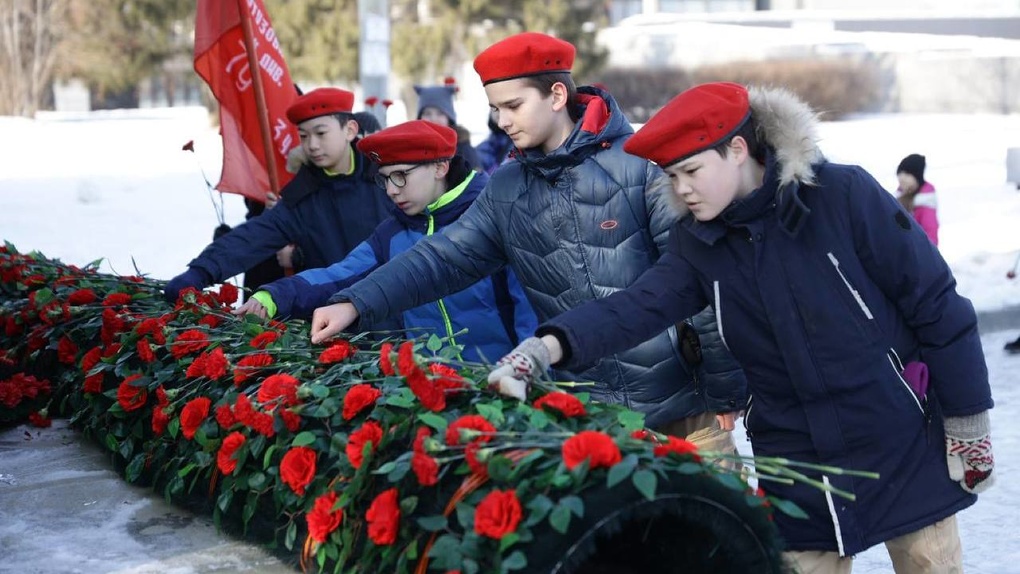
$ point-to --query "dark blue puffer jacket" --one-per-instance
(494, 311)
(325, 216)
(575, 225)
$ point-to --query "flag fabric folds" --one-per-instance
(221, 59)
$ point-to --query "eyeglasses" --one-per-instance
(397, 178)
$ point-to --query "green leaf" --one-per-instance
(303, 438)
(538, 509)
(732, 481)
(320, 391)
(134, 469)
(446, 553)
(788, 508)
(407, 505)
(559, 519)
(404, 400)
(224, 500)
(575, 504)
(515, 561)
(250, 505)
(433, 523)
(291, 536)
(492, 412)
(690, 468)
(174, 427)
(268, 458)
(621, 470)
(508, 541)
(499, 468)
(386, 468)
(256, 481)
(645, 481)
(631, 420)
(433, 420)
(434, 343)
(539, 420)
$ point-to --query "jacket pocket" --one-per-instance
(913, 378)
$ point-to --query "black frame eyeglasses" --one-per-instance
(397, 178)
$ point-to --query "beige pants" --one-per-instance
(704, 431)
(934, 549)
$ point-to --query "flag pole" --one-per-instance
(260, 98)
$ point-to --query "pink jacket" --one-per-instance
(925, 211)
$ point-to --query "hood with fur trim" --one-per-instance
(790, 127)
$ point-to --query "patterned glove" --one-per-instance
(515, 372)
(969, 451)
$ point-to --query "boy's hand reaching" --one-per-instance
(330, 320)
(515, 372)
(253, 307)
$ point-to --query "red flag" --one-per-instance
(221, 59)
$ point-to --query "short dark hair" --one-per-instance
(344, 117)
(749, 131)
(544, 83)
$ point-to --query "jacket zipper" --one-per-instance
(718, 314)
(854, 292)
(747, 415)
(447, 324)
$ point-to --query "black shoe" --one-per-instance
(1013, 347)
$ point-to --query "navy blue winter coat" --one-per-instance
(575, 225)
(823, 287)
(493, 311)
(325, 216)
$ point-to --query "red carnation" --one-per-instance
(446, 377)
(358, 398)
(323, 519)
(130, 397)
(145, 352)
(339, 351)
(193, 414)
(385, 362)
(498, 514)
(479, 467)
(264, 339)
(469, 422)
(371, 101)
(677, 446)
(226, 460)
(297, 469)
(90, 359)
(370, 432)
(161, 398)
(153, 328)
(429, 394)
(196, 368)
(249, 365)
(94, 383)
(215, 364)
(190, 146)
(116, 299)
(596, 447)
(384, 518)
(67, 351)
(225, 416)
(188, 342)
(82, 297)
(279, 386)
(425, 468)
(38, 420)
(228, 294)
(387, 103)
(159, 421)
(565, 403)
(211, 321)
(405, 358)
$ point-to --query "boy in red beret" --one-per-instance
(577, 219)
(858, 351)
(431, 187)
(329, 207)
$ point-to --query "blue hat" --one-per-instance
(440, 97)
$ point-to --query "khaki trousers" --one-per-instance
(934, 549)
(704, 431)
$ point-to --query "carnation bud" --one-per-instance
(44, 412)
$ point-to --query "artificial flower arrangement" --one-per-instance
(362, 455)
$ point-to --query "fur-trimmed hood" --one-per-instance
(790, 127)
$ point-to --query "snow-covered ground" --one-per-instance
(118, 186)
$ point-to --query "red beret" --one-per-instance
(525, 54)
(416, 141)
(320, 102)
(695, 120)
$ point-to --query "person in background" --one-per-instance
(330, 206)
(917, 196)
(435, 104)
(497, 146)
(577, 219)
(858, 351)
(430, 187)
(368, 124)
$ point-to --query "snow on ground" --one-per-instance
(118, 186)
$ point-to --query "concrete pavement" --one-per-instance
(63, 509)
